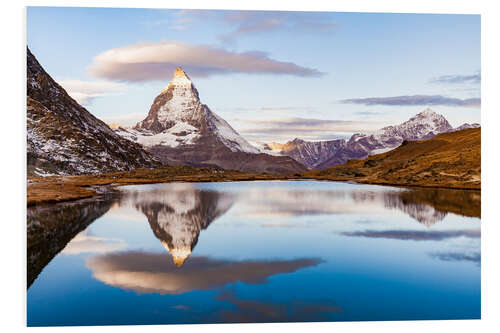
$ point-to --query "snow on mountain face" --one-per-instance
(466, 126)
(178, 118)
(424, 125)
(230, 137)
(180, 134)
(324, 154)
(64, 138)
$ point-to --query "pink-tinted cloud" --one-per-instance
(84, 92)
(150, 61)
(422, 100)
(458, 79)
(288, 128)
(241, 23)
(146, 272)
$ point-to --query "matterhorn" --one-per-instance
(179, 129)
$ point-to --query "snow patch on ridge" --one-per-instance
(180, 133)
(230, 138)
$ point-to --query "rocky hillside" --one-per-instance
(179, 129)
(64, 138)
(448, 160)
(324, 154)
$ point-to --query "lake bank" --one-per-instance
(66, 188)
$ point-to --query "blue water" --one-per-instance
(265, 251)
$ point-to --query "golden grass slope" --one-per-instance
(449, 160)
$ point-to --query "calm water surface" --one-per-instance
(255, 252)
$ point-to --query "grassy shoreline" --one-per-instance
(43, 190)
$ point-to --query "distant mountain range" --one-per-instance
(325, 154)
(449, 160)
(64, 138)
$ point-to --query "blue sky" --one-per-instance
(273, 76)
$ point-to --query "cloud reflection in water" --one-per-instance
(154, 273)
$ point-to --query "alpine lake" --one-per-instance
(260, 251)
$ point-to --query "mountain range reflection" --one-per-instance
(51, 227)
(178, 213)
(427, 206)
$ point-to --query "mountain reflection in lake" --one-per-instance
(255, 252)
(178, 214)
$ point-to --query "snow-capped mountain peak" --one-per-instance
(179, 102)
(467, 126)
(181, 85)
(424, 125)
(428, 116)
(178, 119)
(427, 112)
(180, 75)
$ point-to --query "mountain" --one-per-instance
(424, 125)
(466, 126)
(308, 153)
(324, 154)
(451, 160)
(179, 129)
(178, 214)
(64, 138)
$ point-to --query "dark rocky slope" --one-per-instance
(64, 138)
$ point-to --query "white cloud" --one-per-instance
(150, 61)
(84, 92)
(85, 243)
(285, 129)
(124, 120)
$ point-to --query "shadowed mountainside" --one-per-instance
(64, 138)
